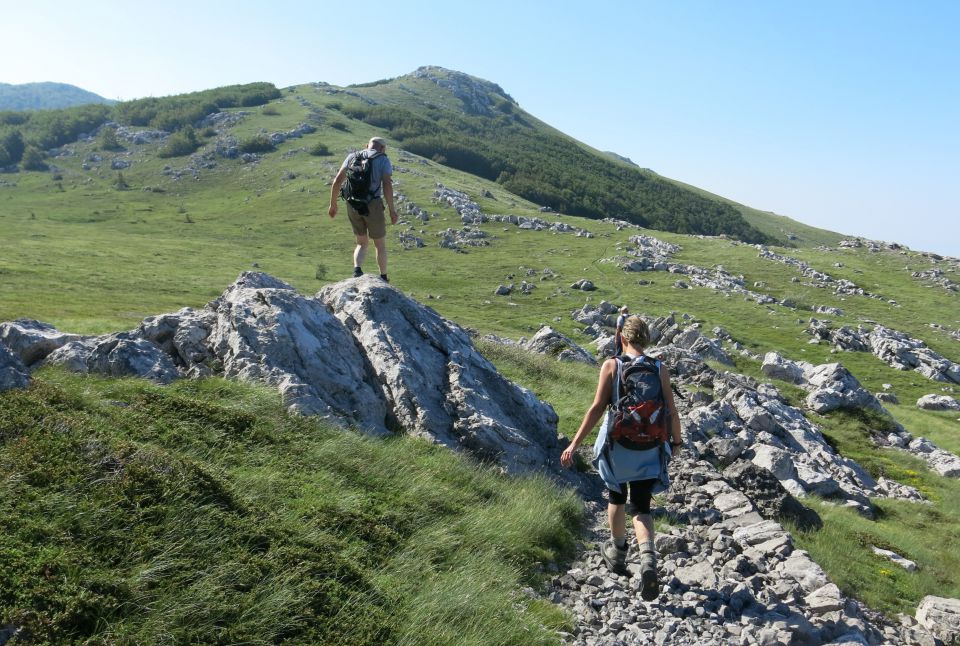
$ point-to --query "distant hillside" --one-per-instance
(45, 96)
(474, 126)
(449, 117)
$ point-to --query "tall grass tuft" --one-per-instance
(202, 512)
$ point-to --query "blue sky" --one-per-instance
(843, 115)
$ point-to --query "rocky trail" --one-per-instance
(727, 576)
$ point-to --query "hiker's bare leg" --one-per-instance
(643, 527)
(618, 522)
(381, 246)
(649, 585)
(360, 251)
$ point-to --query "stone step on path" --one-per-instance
(727, 576)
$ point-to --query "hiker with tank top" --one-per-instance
(630, 470)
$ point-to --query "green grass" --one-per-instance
(924, 533)
(202, 512)
(93, 259)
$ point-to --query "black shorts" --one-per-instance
(640, 495)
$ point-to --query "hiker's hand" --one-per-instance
(566, 458)
(332, 211)
(393, 216)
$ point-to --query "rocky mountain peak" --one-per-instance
(475, 93)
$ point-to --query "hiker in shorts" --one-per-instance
(372, 225)
(628, 473)
(621, 319)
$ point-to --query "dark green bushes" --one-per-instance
(257, 144)
(107, 139)
(11, 147)
(175, 112)
(320, 149)
(181, 143)
(554, 171)
(33, 159)
(46, 129)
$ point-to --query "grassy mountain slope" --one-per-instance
(45, 96)
(203, 513)
(90, 253)
(474, 126)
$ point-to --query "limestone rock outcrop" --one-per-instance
(552, 343)
(941, 616)
(938, 402)
(436, 382)
(13, 374)
(264, 330)
(897, 349)
(359, 353)
(32, 340)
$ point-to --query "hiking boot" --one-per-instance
(384, 278)
(357, 272)
(615, 557)
(649, 585)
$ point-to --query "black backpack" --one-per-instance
(356, 187)
(638, 404)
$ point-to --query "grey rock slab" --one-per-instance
(183, 335)
(73, 356)
(776, 367)
(117, 355)
(265, 331)
(552, 343)
(941, 616)
(438, 385)
(938, 402)
(905, 563)
(698, 575)
(33, 340)
(825, 599)
(13, 374)
(802, 569)
(758, 532)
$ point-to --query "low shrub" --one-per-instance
(257, 144)
(184, 142)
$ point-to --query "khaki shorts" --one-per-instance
(373, 224)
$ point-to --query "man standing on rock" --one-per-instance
(372, 224)
(626, 466)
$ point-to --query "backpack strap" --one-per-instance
(614, 396)
(617, 378)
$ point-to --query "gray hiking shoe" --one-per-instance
(615, 557)
(649, 584)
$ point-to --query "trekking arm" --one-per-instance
(388, 195)
(335, 191)
(600, 401)
(675, 436)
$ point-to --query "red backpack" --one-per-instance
(638, 405)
